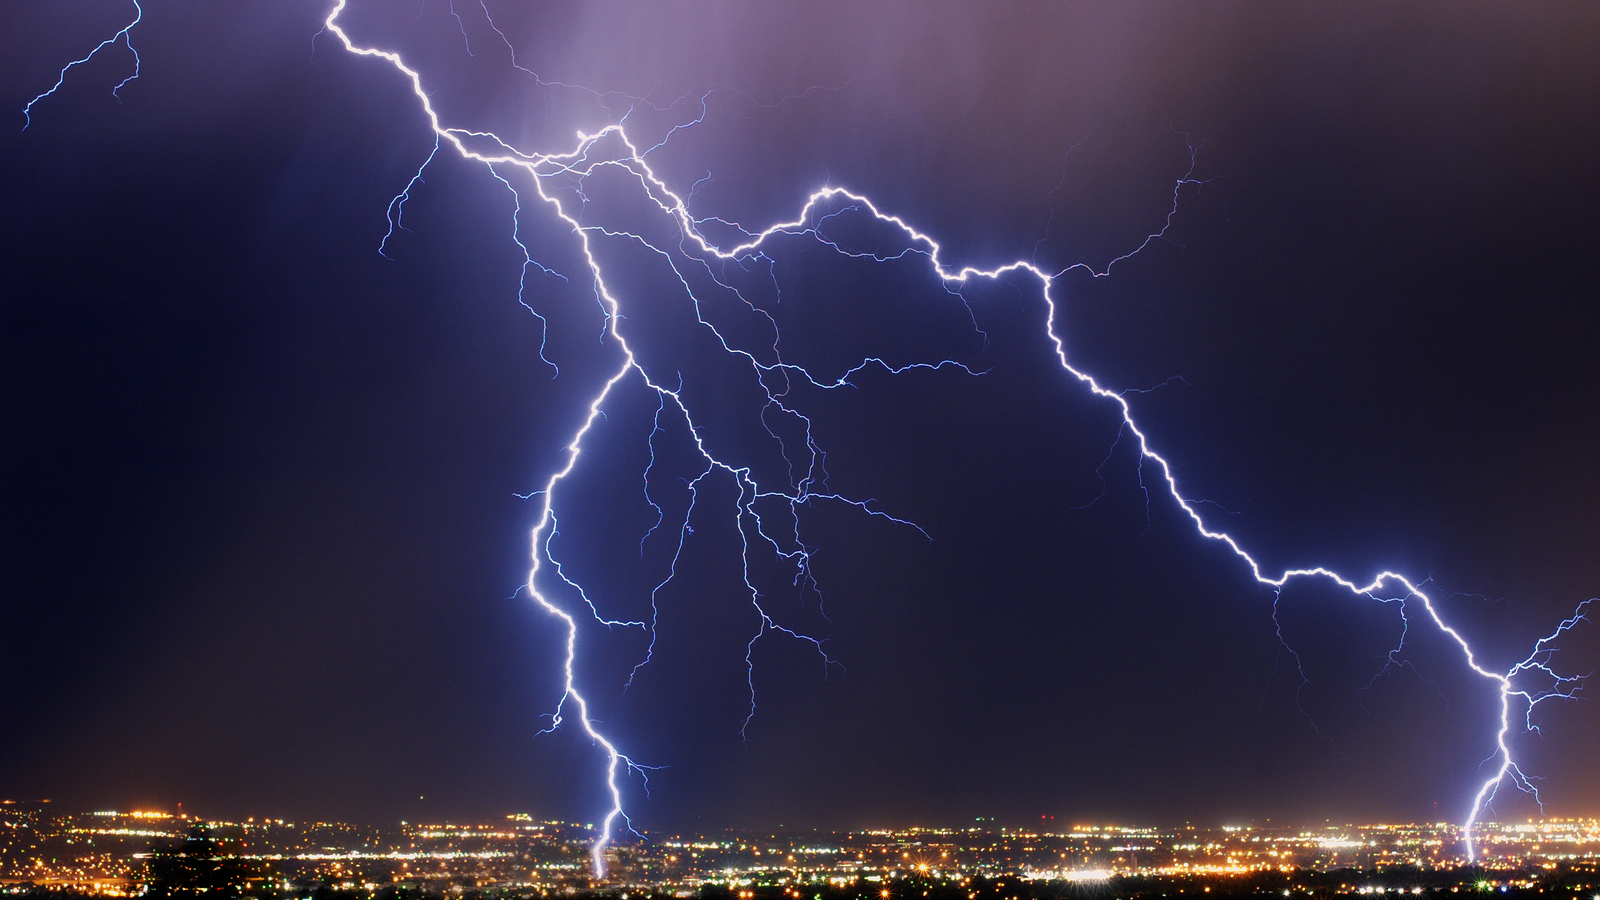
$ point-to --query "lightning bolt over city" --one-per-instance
(720, 275)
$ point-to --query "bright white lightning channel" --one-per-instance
(587, 157)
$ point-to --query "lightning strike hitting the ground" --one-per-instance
(613, 149)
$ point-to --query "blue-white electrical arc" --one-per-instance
(612, 149)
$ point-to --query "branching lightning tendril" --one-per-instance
(612, 149)
(121, 35)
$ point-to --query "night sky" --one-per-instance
(261, 531)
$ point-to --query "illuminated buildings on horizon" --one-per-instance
(106, 852)
(1088, 852)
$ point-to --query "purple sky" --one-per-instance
(261, 530)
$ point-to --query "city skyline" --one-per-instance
(521, 851)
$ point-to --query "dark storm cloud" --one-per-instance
(260, 531)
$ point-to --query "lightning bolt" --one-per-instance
(123, 35)
(766, 515)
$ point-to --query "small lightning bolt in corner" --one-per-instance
(123, 35)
